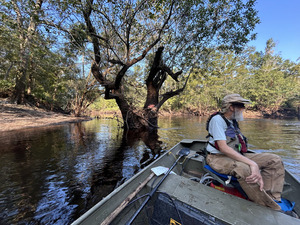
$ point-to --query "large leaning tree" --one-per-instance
(164, 36)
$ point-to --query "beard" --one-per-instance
(238, 115)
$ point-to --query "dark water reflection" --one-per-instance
(53, 175)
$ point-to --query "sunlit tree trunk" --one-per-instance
(26, 37)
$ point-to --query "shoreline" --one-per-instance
(16, 117)
(111, 114)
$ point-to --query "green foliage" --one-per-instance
(272, 84)
(104, 105)
(210, 32)
(134, 86)
(172, 104)
(9, 47)
(6, 86)
(265, 78)
(52, 75)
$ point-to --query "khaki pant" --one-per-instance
(272, 171)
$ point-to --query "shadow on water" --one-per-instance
(54, 175)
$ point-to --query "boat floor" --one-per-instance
(217, 204)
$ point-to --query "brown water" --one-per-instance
(53, 175)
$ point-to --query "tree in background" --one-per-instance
(268, 80)
(29, 65)
(167, 36)
(218, 73)
(8, 57)
(26, 22)
(36, 67)
(85, 93)
(273, 81)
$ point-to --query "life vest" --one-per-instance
(234, 138)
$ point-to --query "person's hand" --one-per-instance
(255, 177)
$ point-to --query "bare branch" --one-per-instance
(101, 38)
(112, 25)
(57, 26)
(170, 72)
(135, 60)
(109, 47)
(114, 61)
(128, 30)
(171, 94)
(91, 30)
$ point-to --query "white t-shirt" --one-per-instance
(217, 128)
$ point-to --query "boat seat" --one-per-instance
(223, 176)
(224, 179)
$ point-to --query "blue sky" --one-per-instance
(280, 20)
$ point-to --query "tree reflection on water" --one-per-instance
(53, 175)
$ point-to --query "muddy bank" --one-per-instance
(14, 117)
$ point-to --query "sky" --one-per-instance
(280, 20)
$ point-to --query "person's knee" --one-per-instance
(242, 171)
(275, 160)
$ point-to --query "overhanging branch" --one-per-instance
(171, 94)
(170, 72)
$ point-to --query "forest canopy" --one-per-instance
(64, 55)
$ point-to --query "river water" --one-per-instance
(53, 175)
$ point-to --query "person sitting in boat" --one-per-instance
(261, 175)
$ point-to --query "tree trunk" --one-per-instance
(133, 118)
(20, 88)
(8, 71)
(26, 39)
(147, 117)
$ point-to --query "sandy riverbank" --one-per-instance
(15, 117)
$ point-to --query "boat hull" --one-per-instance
(179, 199)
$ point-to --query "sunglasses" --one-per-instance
(238, 104)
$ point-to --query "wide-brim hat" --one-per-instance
(234, 98)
